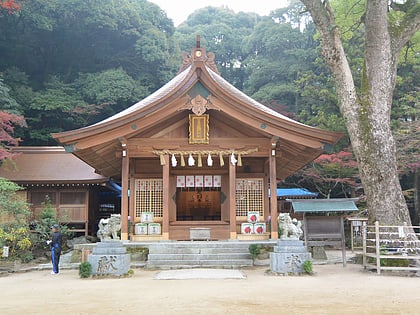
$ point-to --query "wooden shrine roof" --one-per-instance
(100, 144)
(47, 165)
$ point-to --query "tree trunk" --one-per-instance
(416, 197)
(367, 113)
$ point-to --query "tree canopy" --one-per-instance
(68, 64)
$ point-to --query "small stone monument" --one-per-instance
(290, 253)
(109, 258)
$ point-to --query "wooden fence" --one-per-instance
(394, 248)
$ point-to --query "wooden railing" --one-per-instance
(395, 248)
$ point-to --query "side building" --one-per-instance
(72, 186)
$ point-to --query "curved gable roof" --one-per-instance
(96, 144)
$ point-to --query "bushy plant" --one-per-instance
(85, 269)
(307, 267)
(14, 220)
(42, 226)
(254, 250)
(16, 238)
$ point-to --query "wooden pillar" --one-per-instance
(166, 198)
(232, 200)
(273, 196)
(124, 195)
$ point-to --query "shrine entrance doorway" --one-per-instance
(198, 204)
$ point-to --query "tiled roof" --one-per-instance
(48, 165)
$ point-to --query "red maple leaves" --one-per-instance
(10, 5)
(7, 123)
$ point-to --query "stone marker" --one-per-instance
(109, 258)
(288, 256)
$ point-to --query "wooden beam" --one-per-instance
(273, 196)
(232, 199)
(166, 198)
(124, 197)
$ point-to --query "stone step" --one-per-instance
(200, 244)
(190, 254)
(196, 251)
(174, 264)
(198, 257)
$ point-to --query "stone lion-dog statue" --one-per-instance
(109, 228)
(289, 229)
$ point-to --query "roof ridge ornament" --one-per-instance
(198, 55)
(199, 104)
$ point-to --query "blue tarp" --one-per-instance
(294, 193)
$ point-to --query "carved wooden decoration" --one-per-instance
(199, 129)
(199, 105)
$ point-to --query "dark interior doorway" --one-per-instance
(198, 204)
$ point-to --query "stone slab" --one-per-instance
(199, 233)
(199, 273)
(109, 258)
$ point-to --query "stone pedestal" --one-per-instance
(202, 234)
(288, 256)
(109, 258)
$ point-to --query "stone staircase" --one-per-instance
(199, 254)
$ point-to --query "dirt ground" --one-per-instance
(332, 290)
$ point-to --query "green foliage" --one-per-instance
(14, 217)
(66, 38)
(42, 226)
(7, 102)
(17, 238)
(109, 86)
(12, 207)
(307, 267)
(85, 269)
(254, 250)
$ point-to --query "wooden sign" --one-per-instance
(199, 129)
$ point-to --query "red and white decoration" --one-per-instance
(259, 228)
(180, 181)
(208, 181)
(217, 181)
(247, 228)
(190, 181)
(198, 181)
(253, 216)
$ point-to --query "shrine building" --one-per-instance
(197, 153)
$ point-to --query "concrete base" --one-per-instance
(109, 258)
(288, 256)
(202, 234)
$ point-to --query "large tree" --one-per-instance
(367, 110)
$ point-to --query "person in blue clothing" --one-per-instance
(55, 244)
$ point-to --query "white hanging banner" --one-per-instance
(199, 181)
(189, 181)
(180, 181)
(208, 181)
(217, 181)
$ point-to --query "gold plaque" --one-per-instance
(199, 129)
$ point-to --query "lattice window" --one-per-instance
(249, 196)
(148, 197)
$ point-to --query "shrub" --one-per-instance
(85, 269)
(16, 238)
(254, 250)
(307, 267)
(42, 227)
